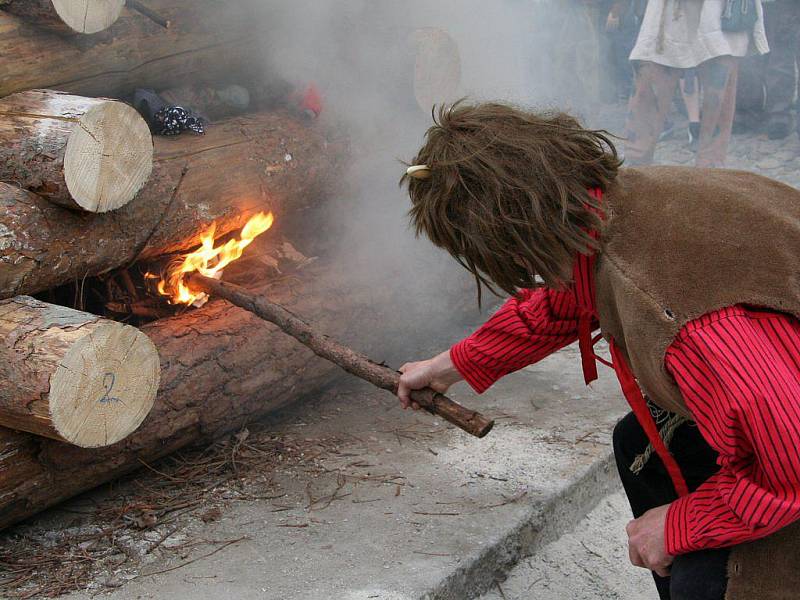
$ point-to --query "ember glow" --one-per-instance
(209, 260)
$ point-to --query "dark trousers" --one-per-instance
(697, 575)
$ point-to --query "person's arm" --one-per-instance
(526, 329)
(748, 409)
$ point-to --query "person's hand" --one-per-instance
(437, 373)
(612, 22)
(646, 546)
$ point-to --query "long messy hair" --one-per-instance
(508, 192)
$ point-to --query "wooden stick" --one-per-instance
(348, 359)
(150, 14)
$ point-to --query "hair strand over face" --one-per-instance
(508, 193)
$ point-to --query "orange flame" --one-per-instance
(208, 260)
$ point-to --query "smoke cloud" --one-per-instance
(364, 56)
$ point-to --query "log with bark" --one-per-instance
(221, 367)
(67, 16)
(92, 154)
(73, 376)
(348, 359)
(210, 102)
(207, 41)
(272, 163)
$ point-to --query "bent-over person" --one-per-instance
(691, 275)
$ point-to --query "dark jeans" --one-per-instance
(697, 575)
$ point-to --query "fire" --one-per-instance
(209, 260)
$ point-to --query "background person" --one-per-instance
(687, 34)
(768, 85)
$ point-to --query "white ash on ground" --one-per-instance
(157, 513)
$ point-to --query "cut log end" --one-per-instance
(108, 158)
(88, 16)
(104, 386)
(73, 376)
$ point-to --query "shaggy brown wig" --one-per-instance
(508, 194)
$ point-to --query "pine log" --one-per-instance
(210, 102)
(72, 376)
(207, 41)
(91, 154)
(272, 163)
(67, 16)
(221, 367)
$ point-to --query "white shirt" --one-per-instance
(692, 34)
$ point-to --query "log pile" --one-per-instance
(86, 192)
(217, 369)
(272, 163)
(221, 367)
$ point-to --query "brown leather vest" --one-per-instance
(680, 242)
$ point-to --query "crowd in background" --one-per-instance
(729, 65)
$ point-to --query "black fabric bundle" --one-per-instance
(164, 118)
(172, 120)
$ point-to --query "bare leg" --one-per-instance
(718, 78)
(690, 90)
(647, 110)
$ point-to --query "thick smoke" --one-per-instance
(362, 56)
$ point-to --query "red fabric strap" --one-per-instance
(637, 402)
(585, 343)
(584, 287)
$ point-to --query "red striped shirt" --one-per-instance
(739, 372)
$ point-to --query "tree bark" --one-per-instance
(272, 163)
(221, 367)
(207, 42)
(91, 154)
(67, 17)
(73, 376)
(212, 103)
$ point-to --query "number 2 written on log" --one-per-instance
(108, 386)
